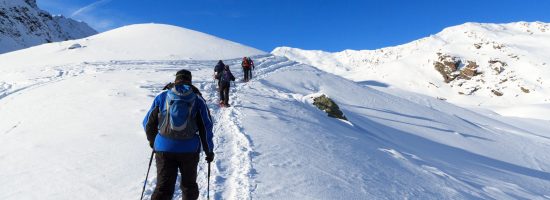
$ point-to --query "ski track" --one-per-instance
(235, 172)
(232, 175)
(59, 74)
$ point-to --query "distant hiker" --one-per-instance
(225, 78)
(217, 69)
(246, 68)
(171, 126)
(252, 66)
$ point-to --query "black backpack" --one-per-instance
(225, 76)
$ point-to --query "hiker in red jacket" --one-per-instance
(246, 68)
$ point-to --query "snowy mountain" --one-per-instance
(23, 24)
(133, 42)
(503, 67)
(75, 125)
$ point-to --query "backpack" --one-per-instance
(177, 120)
(246, 63)
(226, 76)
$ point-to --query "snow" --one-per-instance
(521, 45)
(75, 125)
(133, 42)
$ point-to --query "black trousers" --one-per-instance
(224, 92)
(167, 174)
(246, 74)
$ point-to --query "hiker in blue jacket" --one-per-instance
(171, 126)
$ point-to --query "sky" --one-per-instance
(329, 25)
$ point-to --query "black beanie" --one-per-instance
(183, 76)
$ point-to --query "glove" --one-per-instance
(209, 157)
(152, 144)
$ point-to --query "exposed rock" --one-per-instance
(496, 92)
(477, 45)
(503, 80)
(497, 65)
(75, 46)
(32, 3)
(469, 71)
(525, 90)
(513, 56)
(326, 104)
(472, 91)
(497, 46)
(446, 65)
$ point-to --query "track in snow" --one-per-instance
(232, 172)
(232, 175)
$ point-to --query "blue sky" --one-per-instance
(330, 25)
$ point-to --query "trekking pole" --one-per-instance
(208, 187)
(145, 183)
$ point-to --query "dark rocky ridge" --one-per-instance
(23, 24)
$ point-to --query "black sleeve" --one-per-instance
(202, 133)
(168, 86)
(151, 129)
(196, 90)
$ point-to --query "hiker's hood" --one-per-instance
(183, 92)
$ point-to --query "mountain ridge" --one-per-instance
(23, 24)
(493, 65)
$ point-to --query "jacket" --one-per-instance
(219, 67)
(202, 118)
(231, 77)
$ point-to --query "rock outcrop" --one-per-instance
(450, 68)
(326, 104)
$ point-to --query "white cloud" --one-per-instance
(97, 14)
(89, 8)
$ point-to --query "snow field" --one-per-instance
(75, 125)
(271, 144)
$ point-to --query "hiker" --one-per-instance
(171, 127)
(225, 78)
(246, 68)
(217, 69)
(252, 67)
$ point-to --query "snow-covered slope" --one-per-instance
(133, 42)
(77, 128)
(499, 66)
(23, 24)
(75, 125)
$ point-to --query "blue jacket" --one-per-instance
(193, 145)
